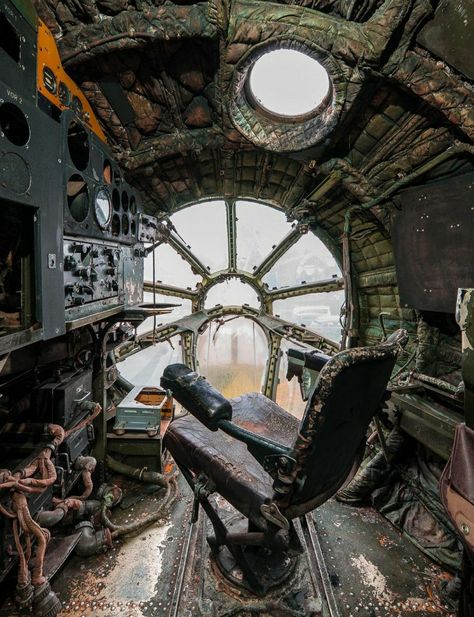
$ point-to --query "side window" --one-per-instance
(146, 367)
(318, 312)
(307, 261)
(259, 229)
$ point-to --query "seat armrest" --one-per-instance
(266, 451)
(197, 395)
(213, 410)
(315, 360)
(299, 360)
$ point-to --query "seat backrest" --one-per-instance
(333, 430)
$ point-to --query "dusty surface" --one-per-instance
(374, 570)
(134, 578)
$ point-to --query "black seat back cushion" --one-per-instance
(196, 395)
(332, 434)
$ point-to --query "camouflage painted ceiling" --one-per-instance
(166, 80)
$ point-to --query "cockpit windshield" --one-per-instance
(247, 283)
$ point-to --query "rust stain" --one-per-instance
(384, 598)
(368, 515)
(169, 467)
(385, 541)
(254, 427)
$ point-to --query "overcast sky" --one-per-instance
(288, 82)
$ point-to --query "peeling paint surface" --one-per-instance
(372, 578)
(139, 561)
(375, 571)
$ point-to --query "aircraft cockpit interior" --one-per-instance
(236, 308)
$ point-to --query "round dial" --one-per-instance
(103, 207)
(64, 94)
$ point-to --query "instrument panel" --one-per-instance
(56, 85)
(71, 228)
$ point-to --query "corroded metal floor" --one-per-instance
(374, 570)
(357, 565)
(136, 577)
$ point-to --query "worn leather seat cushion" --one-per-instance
(236, 474)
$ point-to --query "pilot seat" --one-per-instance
(269, 466)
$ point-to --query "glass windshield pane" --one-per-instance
(232, 292)
(318, 312)
(185, 308)
(259, 227)
(288, 393)
(203, 227)
(146, 367)
(232, 356)
(306, 261)
(170, 268)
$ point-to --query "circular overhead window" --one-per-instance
(286, 95)
(288, 83)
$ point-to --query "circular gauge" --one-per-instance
(116, 200)
(14, 125)
(78, 145)
(124, 201)
(77, 106)
(116, 225)
(107, 172)
(103, 207)
(64, 94)
(117, 176)
(77, 198)
(49, 80)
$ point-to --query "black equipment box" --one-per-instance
(56, 401)
(433, 238)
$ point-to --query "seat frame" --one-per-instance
(281, 540)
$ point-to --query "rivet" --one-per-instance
(465, 529)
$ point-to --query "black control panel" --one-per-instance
(92, 271)
(99, 203)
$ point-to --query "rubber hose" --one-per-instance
(124, 383)
(92, 542)
(148, 477)
(50, 518)
(122, 530)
